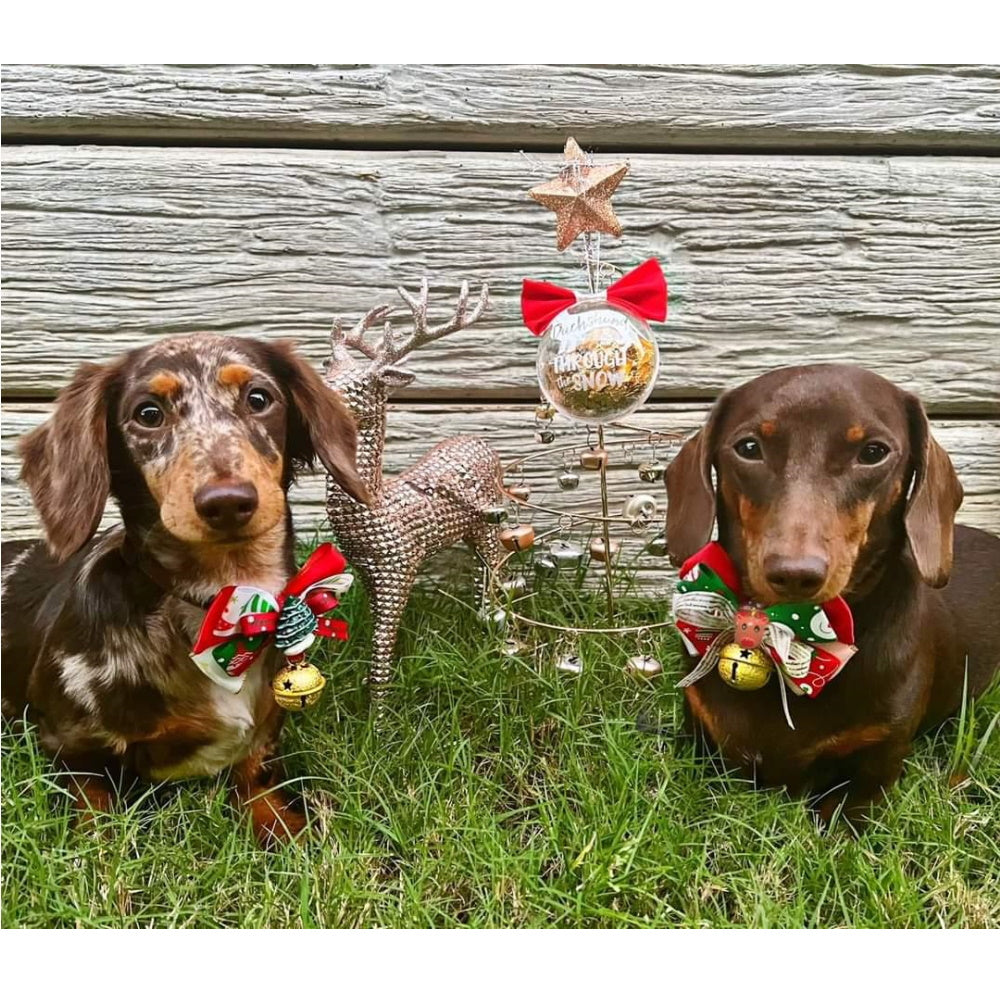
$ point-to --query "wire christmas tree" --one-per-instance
(598, 362)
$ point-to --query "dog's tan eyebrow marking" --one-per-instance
(164, 384)
(769, 428)
(855, 433)
(234, 375)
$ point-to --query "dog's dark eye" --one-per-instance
(259, 400)
(748, 448)
(148, 414)
(873, 453)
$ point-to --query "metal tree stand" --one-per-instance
(554, 552)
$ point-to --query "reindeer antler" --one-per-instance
(355, 338)
(389, 349)
(393, 350)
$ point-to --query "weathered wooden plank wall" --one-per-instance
(949, 108)
(125, 219)
(973, 444)
(771, 260)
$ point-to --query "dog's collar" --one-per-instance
(158, 574)
(808, 643)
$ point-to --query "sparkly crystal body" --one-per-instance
(451, 494)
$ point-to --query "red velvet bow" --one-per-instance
(642, 291)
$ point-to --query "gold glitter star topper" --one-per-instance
(581, 196)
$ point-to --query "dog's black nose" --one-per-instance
(797, 577)
(226, 504)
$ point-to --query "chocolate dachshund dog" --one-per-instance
(828, 482)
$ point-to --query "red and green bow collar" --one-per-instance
(241, 621)
(808, 643)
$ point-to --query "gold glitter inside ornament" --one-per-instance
(744, 669)
(297, 686)
(597, 363)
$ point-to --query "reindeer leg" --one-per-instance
(486, 544)
(388, 592)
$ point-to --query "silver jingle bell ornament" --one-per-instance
(516, 586)
(569, 480)
(545, 435)
(513, 646)
(545, 566)
(658, 546)
(640, 507)
(566, 553)
(569, 662)
(643, 667)
(495, 514)
(651, 472)
(493, 616)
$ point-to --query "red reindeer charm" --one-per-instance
(750, 623)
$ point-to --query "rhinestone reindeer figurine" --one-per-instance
(436, 502)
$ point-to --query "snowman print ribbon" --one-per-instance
(241, 621)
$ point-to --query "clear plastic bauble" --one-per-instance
(597, 363)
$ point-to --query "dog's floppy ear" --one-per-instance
(319, 424)
(935, 496)
(65, 461)
(690, 494)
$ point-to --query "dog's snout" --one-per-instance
(798, 577)
(227, 504)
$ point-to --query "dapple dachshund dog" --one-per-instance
(829, 482)
(198, 439)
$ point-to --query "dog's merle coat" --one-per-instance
(197, 439)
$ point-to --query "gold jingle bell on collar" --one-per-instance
(297, 685)
(744, 669)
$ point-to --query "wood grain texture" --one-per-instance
(627, 107)
(973, 445)
(891, 263)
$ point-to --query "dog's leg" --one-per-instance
(90, 780)
(276, 815)
(866, 776)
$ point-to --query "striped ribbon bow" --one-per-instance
(808, 643)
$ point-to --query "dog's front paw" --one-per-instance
(276, 818)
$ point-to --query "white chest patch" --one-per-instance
(235, 714)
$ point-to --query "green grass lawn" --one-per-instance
(501, 796)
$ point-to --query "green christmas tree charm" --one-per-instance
(296, 626)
